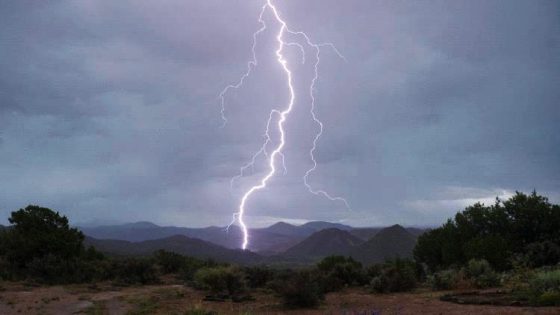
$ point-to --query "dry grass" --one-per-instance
(177, 299)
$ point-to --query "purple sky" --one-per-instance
(109, 110)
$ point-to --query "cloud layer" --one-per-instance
(109, 110)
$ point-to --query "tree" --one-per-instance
(496, 233)
(42, 240)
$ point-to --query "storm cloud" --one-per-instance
(109, 110)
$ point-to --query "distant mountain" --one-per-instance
(365, 233)
(143, 231)
(268, 241)
(265, 240)
(417, 231)
(321, 225)
(179, 244)
(283, 228)
(323, 243)
(391, 242)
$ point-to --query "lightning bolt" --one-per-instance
(278, 117)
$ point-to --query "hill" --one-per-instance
(179, 244)
(273, 239)
(321, 225)
(391, 242)
(283, 228)
(326, 242)
(365, 233)
(268, 241)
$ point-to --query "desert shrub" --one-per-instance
(221, 280)
(546, 281)
(298, 289)
(544, 288)
(443, 280)
(548, 299)
(258, 276)
(396, 276)
(192, 265)
(133, 271)
(481, 274)
(339, 271)
(169, 262)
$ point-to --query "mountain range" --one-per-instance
(273, 239)
(179, 244)
(279, 243)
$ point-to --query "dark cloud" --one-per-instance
(109, 110)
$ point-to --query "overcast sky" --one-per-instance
(109, 110)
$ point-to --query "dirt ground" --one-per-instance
(17, 298)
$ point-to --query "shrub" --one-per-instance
(396, 276)
(544, 288)
(546, 281)
(169, 262)
(192, 265)
(258, 276)
(299, 289)
(133, 271)
(339, 271)
(221, 280)
(481, 274)
(444, 280)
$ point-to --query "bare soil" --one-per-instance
(104, 298)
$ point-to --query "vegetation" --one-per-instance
(41, 245)
(444, 280)
(518, 227)
(339, 271)
(481, 274)
(395, 276)
(228, 281)
(544, 288)
(514, 243)
(299, 289)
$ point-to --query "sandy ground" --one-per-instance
(176, 299)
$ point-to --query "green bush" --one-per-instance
(339, 271)
(481, 274)
(444, 280)
(299, 289)
(258, 276)
(396, 276)
(169, 262)
(544, 288)
(549, 299)
(221, 280)
(133, 271)
(546, 281)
